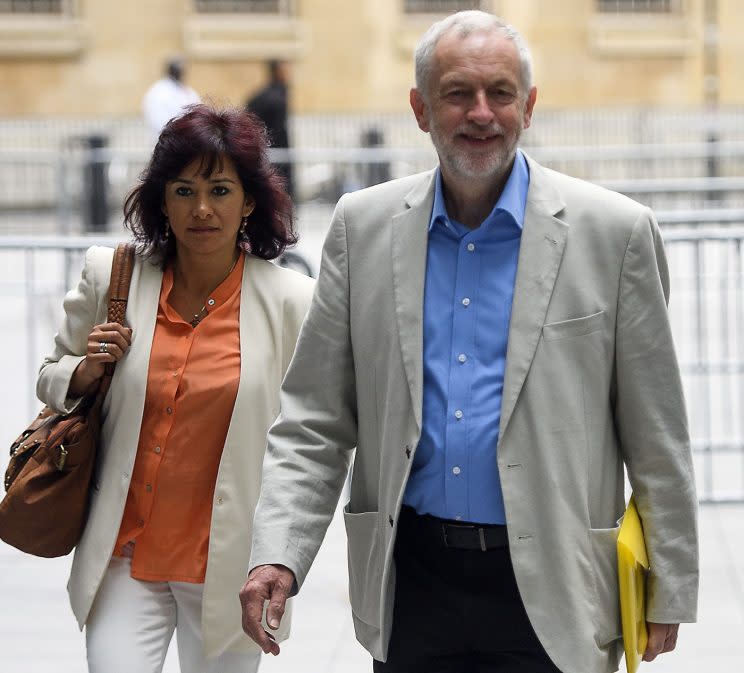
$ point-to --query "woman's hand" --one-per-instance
(106, 343)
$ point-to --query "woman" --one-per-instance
(211, 328)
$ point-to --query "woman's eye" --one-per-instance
(219, 190)
(183, 191)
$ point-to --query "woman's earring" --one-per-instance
(243, 225)
(166, 230)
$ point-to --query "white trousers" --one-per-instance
(131, 625)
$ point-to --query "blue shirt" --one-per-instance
(467, 306)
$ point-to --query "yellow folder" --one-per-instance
(632, 566)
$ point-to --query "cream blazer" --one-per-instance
(272, 306)
(591, 386)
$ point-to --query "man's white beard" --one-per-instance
(466, 165)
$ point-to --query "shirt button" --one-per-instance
(466, 301)
(458, 414)
(471, 247)
(455, 470)
(458, 518)
(169, 410)
(210, 302)
(462, 357)
(148, 488)
(157, 449)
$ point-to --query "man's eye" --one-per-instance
(504, 95)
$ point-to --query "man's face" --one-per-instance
(475, 107)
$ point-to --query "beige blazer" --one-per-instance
(272, 306)
(591, 384)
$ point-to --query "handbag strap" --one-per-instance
(121, 278)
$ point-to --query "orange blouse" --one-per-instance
(192, 383)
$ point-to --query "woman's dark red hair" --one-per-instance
(210, 134)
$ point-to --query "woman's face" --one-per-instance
(205, 212)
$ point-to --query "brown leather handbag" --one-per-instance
(51, 464)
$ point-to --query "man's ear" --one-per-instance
(529, 105)
(418, 105)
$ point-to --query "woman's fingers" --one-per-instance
(108, 343)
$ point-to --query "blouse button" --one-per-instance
(210, 302)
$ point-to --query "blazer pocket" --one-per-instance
(574, 327)
(365, 566)
(607, 598)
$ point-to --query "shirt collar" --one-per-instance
(513, 199)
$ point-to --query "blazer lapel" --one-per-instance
(409, 245)
(540, 254)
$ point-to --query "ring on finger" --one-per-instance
(103, 346)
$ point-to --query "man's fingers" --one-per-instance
(671, 640)
(265, 583)
(661, 638)
(277, 603)
(252, 612)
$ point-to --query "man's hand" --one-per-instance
(271, 583)
(661, 638)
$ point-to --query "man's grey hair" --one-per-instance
(465, 23)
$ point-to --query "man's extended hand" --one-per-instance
(661, 638)
(271, 583)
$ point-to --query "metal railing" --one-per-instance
(79, 189)
(706, 310)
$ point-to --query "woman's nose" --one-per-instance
(202, 208)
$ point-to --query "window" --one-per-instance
(41, 28)
(243, 6)
(439, 6)
(638, 6)
(33, 6)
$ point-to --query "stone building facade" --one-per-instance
(96, 58)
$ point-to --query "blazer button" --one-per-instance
(390, 520)
(408, 451)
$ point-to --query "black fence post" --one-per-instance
(95, 197)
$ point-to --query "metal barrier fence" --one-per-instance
(706, 308)
(81, 189)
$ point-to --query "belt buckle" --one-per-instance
(480, 529)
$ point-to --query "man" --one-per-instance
(167, 97)
(270, 105)
(493, 338)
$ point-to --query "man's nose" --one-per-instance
(480, 112)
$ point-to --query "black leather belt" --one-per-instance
(472, 536)
(456, 534)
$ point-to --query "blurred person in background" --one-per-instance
(270, 104)
(492, 338)
(211, 326)
(168, 97)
